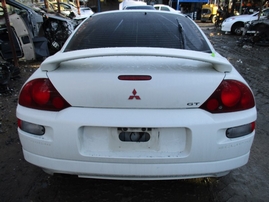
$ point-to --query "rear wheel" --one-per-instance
(237, 28)
(213, 19)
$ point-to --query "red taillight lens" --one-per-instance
(41, 94)
(230, 96)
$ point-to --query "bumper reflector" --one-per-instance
(240, 131)
(31, 127)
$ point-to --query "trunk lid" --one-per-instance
(175, 82)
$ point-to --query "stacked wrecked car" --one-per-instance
(257, 31)
(31, 33)
(35, 32)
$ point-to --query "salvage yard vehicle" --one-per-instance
(126, 3)
(257, 32)
(163, 7)
(209, 13)
(235, 24)
(57, 29)
(70, 9)
(36, 34)
(26, 24)
(143, 7)
(152, 101)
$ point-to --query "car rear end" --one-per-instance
(139, 113)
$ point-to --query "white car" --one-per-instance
(163, 7)
(154, 100)
(69, 9)
(127, 3)
(141, 7)
(235, 24)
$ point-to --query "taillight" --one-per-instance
(41, 94)
(230, 96)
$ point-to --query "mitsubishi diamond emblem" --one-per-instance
(134, 96)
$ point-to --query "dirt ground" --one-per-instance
(23, 182)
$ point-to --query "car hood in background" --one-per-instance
(244, 17)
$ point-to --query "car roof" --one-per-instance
(161, 5)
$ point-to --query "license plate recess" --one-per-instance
(134, 134)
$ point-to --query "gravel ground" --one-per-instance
(23, 182)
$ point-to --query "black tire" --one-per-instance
(237, 28)
(213, 19)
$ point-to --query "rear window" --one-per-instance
(138, 29)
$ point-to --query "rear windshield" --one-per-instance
(138, 29)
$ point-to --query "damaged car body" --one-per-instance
(25, 28)
(28, 34)
(36, 34)
(257, 32)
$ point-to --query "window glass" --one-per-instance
(138, 29)
(165, 9)
(266, 12)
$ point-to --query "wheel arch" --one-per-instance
(236, 27)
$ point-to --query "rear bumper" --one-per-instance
(183, 143)
(134, 171)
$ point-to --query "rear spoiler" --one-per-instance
(218, 62)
